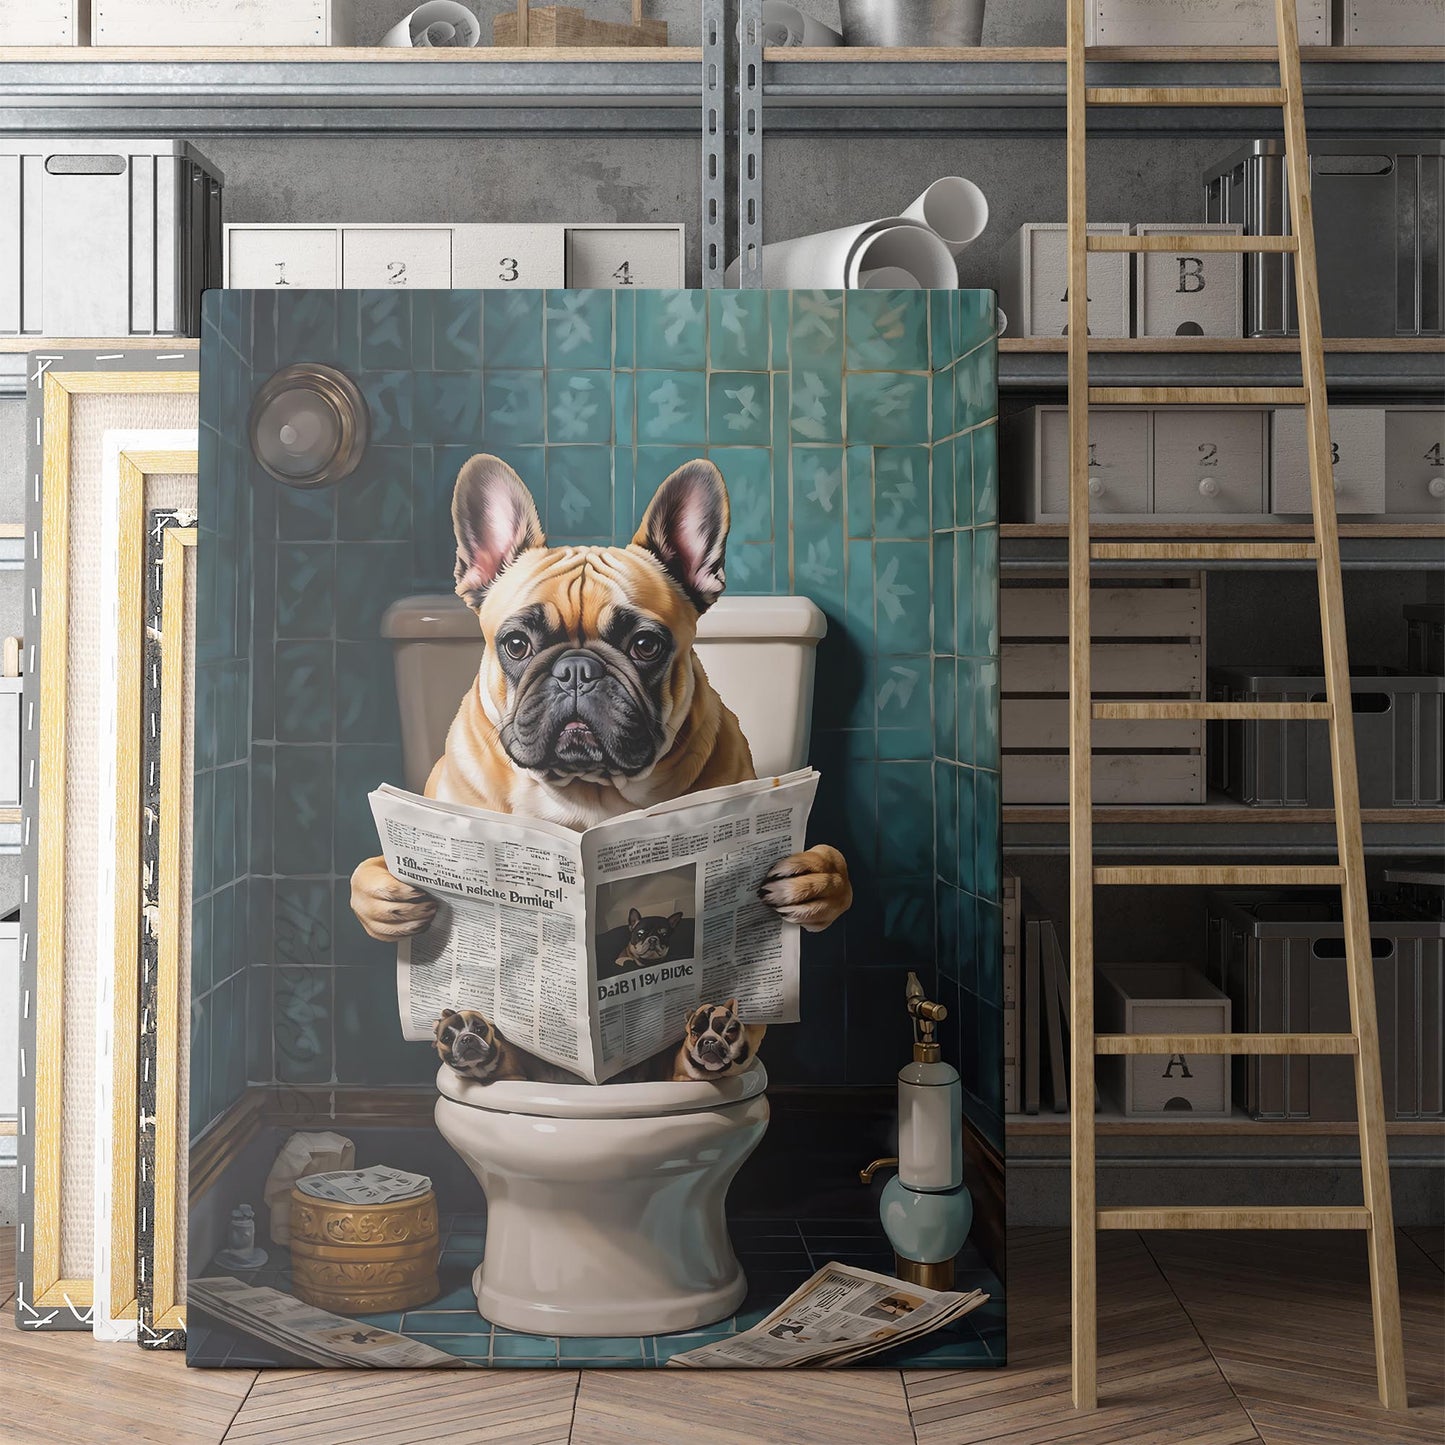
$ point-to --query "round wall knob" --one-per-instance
(1436, 486)
(309, 425)
(1208, 487)
(1096, 486)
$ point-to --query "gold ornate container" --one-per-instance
(359, 1259)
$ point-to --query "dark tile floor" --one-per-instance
(777, 1255)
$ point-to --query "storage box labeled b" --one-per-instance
(1189, 292)
(1153, 998)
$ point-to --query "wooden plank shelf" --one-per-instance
(1239, 1125)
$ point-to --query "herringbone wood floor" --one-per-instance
(1205, 1340)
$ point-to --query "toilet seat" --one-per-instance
(603, 1101)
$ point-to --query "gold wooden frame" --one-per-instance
(48, 1287)
(134, 468)
(167, 1311)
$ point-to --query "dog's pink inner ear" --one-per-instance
(495, 520)
(686, 529)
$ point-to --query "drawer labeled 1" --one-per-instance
(396, 257)
(1118, 462)
(1357, 452)
(1415, 459)
(1208, 461)
(611, 257)
(277, 256)
(497, 258)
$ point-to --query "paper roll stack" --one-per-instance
(914, 250)
(437, 25)
(785, 25)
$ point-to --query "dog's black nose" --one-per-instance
(578, 669)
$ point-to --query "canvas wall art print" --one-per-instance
(596, 772)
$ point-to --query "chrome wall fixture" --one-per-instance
(309, 425)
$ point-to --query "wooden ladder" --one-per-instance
(1363, 1042)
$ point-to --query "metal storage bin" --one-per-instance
(1399, 737)
(1280, 958)
(1425, 637)
(106, 237)
(1151, 998)
(1377, 209)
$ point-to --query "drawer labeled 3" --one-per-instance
(1357, 451)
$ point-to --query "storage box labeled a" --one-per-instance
(43, 22)
(1377, 216)
(1151, 998)
(1281, 959)
(1389, 22)
(1201, 22)
(220, 22)
(1357, 453)
(106, 237)
(1189, 293)
(1148, 642)
(1399, 739)
(1033, 287)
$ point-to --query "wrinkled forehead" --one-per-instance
(580, 589)
(716, 1017)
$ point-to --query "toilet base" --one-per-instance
(653, 1318)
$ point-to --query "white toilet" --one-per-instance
(605, 1203)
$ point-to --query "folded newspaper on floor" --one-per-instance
(590, 949)
(841, 1315)
(303, 1330)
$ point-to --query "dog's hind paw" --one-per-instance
(810, 888)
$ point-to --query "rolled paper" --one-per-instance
(909, 247)
(437, 25)
(888, 278)
(786, 25)
(835, 260)
(954, 209)
(1000, 321)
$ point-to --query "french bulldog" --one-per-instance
(649, 939)
(590, 700)
(717, 1042)
(469, 1042)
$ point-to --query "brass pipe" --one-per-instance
(865, 1176)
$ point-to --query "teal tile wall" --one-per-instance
(855, 433)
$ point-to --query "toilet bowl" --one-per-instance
(606, 1203)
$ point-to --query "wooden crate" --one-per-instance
(1389, 22)
(554, 26)
(1148, 636)
(55, 22)
(1012, 930)
(185, 23)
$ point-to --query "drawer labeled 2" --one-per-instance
(1415, 459)
(1208, 462)
(1118, 462)
(1357, 451)
(396, 257)
(278, 256)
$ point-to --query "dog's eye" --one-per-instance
(517, 645)
(646, 647)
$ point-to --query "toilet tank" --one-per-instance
(758, 652)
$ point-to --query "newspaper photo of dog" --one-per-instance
(590, 702)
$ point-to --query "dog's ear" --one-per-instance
(673, 919)
(731, 1005)
(633, 918)
(686, 528)
(495, 520)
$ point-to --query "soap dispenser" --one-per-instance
(926, 1208)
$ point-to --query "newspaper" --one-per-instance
(379, 1184)
(533, 919)
(841, 1315)
(312, 1334)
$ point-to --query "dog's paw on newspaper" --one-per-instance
(388, 909)
(811, 888)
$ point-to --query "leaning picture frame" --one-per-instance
(75, 399)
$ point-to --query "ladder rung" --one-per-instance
(1225, 876)
(1268, 1044)
(1205, 551)
(1217, 711)
(1185, 241)
(1185, 95)
(1224, 1217)
(1198, 395)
